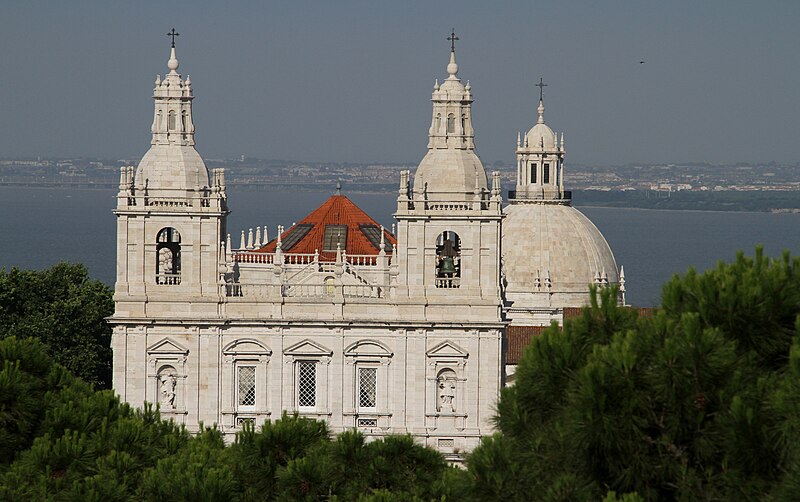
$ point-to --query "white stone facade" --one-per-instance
(408, 341)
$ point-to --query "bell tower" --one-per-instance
(449, 219)
(171, 216)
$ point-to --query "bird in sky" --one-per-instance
(641, 62)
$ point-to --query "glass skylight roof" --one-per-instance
(295, 235)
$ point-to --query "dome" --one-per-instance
(554, 239)
(539, 132)
(172, 167)
(450, 174)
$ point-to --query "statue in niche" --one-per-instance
(168, 384)
(447, 392)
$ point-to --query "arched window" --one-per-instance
(533, 172)
(184, 121)
(438, 123)
(448, 260)
(171, 121)
(463, 124)
(330, 285)
(168, 256)
(451, 123)
(158, 121)
(546, 173)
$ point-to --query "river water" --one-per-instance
(42, 226)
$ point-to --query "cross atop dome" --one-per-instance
(541, 85)
(452, 39)
(452, 67)
(173, 34)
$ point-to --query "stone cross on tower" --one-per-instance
(173, 34)
(452, 39)
(541, 85)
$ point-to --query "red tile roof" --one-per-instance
(520, 337)
(337, 210)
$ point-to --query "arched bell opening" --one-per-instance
(168, 256)
(448, 260)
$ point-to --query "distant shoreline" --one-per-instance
(721, 202)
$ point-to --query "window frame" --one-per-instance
(239, 366)
(362, 368)
(299, 364)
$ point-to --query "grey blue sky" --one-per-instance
(351, 80)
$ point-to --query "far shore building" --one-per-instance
(336, 318)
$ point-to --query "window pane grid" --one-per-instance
(367, 386)
(247, 386)
(306, 384)
(334, 236)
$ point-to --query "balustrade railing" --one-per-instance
(366, 260)
(448, 282)
(304, 290)
(303, 258)
(168, 279)
(449, 206)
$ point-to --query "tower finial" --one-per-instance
(452, 38)
(173, 34)
(541, 85)
(452, 67)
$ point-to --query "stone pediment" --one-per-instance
(371, 348)
(447, 349)
(246, 346)
(167, 346)
(307, 348)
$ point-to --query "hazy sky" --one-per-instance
(351, 80)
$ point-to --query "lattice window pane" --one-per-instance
(367, 422)
(242, 421)
(306, 384)
(247, 385)
(367, 387)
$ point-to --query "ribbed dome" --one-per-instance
(554, 239)
(539, 132)
(450, 174)
(172, 167)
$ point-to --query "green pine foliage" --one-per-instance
(699, 402)
(64, 309)
(62, 440)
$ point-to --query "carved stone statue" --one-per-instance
(447, 394)
(168, 384)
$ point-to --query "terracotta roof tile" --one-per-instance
(520, 337)
(337, 210)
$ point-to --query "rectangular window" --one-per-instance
(546, 174)
(242, 421)
(533, 172)
(247, 385)
(367, 387)
(306, 384)
(333, 235)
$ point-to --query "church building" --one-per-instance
(337, 318)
